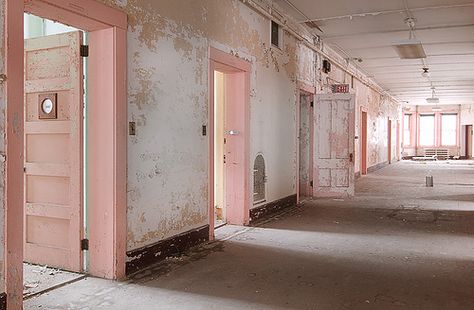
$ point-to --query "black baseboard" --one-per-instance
(377, 167)
(3, 301)
(176, 245)
(263, 212)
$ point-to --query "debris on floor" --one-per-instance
(38, 279)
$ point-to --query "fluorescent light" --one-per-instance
(410, 49)
(432, 100)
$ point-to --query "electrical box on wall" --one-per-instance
(326, 66)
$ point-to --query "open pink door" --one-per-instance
(53, 151)
(334, 145)
(235, 170)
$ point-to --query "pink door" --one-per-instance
(235, 91)
(334, 145)
(53, 151)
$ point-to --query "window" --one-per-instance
(276, 35)
(407, 130)
(427, 130)
(449, 123)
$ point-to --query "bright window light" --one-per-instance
(449, 129)
(427, 130)
(407, 130)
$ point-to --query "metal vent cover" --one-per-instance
(259, 179)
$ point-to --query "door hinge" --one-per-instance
(311, 184)
(84, 244)
(84, 50)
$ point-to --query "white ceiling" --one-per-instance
(367, 29)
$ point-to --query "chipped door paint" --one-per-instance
(334, 145)
(305, 145)
(53, 148)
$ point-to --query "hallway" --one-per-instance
(395, 245)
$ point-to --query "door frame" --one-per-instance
(224, 62)
(363, 140)
(303, 89)
(107, 198)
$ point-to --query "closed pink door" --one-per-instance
(334, 145)
(53, 151)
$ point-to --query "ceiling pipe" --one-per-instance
(365, 14)
(316, 49)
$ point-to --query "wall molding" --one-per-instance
(146, 256)
(263, 212)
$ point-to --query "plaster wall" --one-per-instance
(379, 109)
(168, 100)
(467, 114)
(168, 44)
(2, 148)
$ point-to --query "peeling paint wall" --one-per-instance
(168, 44)
(168, 99)
(2, 148)
(379, 109)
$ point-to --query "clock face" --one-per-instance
(47, 106)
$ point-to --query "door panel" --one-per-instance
(53, 152)
(334, 157)
(305, 138)
(235, 171)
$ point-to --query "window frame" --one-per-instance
(410, 129)
(456, 144)
(279, 47)
(435, 130)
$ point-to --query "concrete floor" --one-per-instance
(39, 279)
(396, 245)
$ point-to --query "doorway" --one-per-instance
(54, 222)
(363, 143)
(229, 140)
(389, 140)
(107, 144)
(469, 136)
(305, 141)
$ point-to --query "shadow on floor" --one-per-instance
(305, 277)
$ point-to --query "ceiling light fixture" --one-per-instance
(433, 99)
(411, 48)
(426, 73)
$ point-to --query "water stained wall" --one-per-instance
(168, 43)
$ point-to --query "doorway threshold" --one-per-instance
(38, 280)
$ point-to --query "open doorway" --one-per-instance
(107, 124)
(55, 102)
(219, 150)
(229, 141)
(305, 145)
(363, 143)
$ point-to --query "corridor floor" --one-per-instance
(396, 245)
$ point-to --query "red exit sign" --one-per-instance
(340, 88)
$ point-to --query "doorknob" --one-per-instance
(233, 132)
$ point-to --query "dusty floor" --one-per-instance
(396, 245)
(37, 279)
